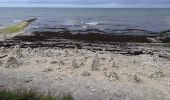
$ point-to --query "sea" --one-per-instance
(109, 20)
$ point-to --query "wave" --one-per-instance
(16, 21)
(93, 23)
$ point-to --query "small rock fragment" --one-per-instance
(48, 69)
(11, 63)
(54, 62)
(114, 65)
(29, 50)
(157, 74)
(85, 73)
(111, 75)
(49, 53)
(1, 63)
(136, 78)
(61, 63)
(105, 69)
(82, 63)
(2, 50)
(41, 61)
(18, 52)
(75, 64)
(58, 78)
(169, 82)
(58, 67)
(95, 63)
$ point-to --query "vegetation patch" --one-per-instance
(19, 95)
(17, 27)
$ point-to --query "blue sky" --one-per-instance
(85, 3)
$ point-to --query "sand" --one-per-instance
(85, 74)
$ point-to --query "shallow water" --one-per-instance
(108, 20)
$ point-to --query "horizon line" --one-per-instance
(75, 7)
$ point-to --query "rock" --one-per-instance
(157, 74)
(58, 78)
(82, 63)
(166, 56)
(61, 62)
(75, 63)
(169, 82)
(49, 53)
(67, 54)
(11, 63)
(95, 63)
(29, 50)
(85, 73)
(76, 49)
(105, 69)
(104, 51)
(53, 62)
(58, 67)
(114, 65)
(3, 56)
(111, 75)
(2, 49)
(41, 61)
(48, 69)
(136, 78)
(1, 63)
(18, 52)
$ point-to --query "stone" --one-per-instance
(1, 63)
(11, 63)
(157, 74)
(53, 62)
(169, 82)
(111, 75)
(58, 67)
(2, 49)
(136, 78)
(61, 63)
(75, 63)
(48, 69)
(58, 78)
(29, 50)
(18, 52)
(41, 61)
(49, 53)
(85, 73)
(95, 64)
(114, 65)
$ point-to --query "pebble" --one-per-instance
(58, 78)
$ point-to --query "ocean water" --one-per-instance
(110, 20)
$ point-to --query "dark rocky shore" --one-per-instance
(93, 40)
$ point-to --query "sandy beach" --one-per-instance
(85, 74)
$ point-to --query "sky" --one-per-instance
(87, 3)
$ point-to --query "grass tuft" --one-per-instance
(19, 95)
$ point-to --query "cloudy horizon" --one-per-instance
(86, 3)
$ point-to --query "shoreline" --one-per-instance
(87, 66)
